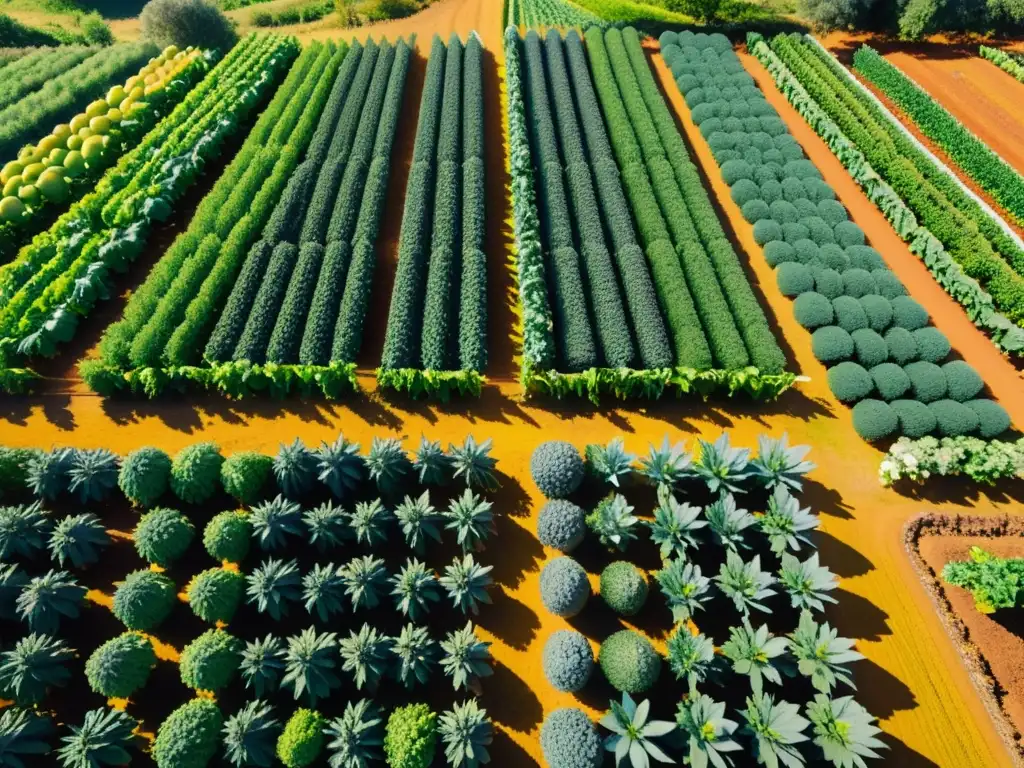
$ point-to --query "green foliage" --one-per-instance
(364, 577)
(262, 663)
(707, 731)
(227, 536)
(466, 658)
(35, 663)
(994, 582)
(245, 475)
(843, 730)
(874, 420)
(568, 739)
(365, 655)
(23, 733)
(416, 655)
(162, 536)
(294, 468)
(471, 519)
(813, 311)
(561, 525)
(466, 583)
(410, 740)
(633, 734)
(564, 588)
(755, 653)
(210, 662)
(821, 654)
(14, 464)
(466, 732)
(891, 381)
(186, 22)
(48, 473)
(121, 666)
(275, 520)
(339, 466)
(250, 735)
(78, 538)
(273, 585)
(12, 580)
(685, 588)
(691, 657)
(415, 587)
(189, 737)
(92, 474)
(419, 521)
(623, 588)
(775, 728)
(721, 466)
(302, 739)
(728, 522)
(388, 464)
(613, 521)
(369, 522)
(310, 662)
(356, 736)
(327, 526)
(556, 468)
(103, 738)
(568, 660)
(745, 583)
(629, 662)
(195, 472)
(850, 383)
(145, 475)
(323, 589)
(48, 599)
(144, 600)
(214, 594)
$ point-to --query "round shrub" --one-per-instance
(962, 382)
(993, 419)
(766, 230)
(162, 536)
(721, 140)
(891, 381)
(874, 420)
(932, 344)
(869, 348)
(561, 525)
(228, 536)
(214, 594)
(834, 257)
(752, 155)
(902, 347)
(770, 155)
(849, 314)
(877, 310)
(768, 173)
(186, 22)
(817, 190)
(557, 468)
(144, 600)
(568, 660)
(723, 156)
(210, 661)
(806, 252)
(623, 588)
(302, 739)
(794, 279)
(190, 736)
(795, 231)
(734, 126)
(410, 739)
(144, 476)
(864, 257)
(953, 419)
(828, 283)
(568, 739)
(779, 252)
(812, 310)
(887, 284)
(907, 313)
(743, 191)
(564, 588)
(784, 212)
(916, 418)
(847, 233)
(806, 209)
(195, 472)
(710, 125)
(802, 169)
(927, 381)
(832, 212)
(120, 666)
(818, 231)
(629, 662)
(832, 344)
(246, 474)
(858, 282)
(771, 190)
(755, 210)
(849, 382)
(734, 170)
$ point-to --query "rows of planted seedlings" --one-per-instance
(327, 610)
(712, 554)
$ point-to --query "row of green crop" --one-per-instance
(437, 321)
(33, 71)
(1004, 61)
(555, 13)
(975, 158)
(958, 242)
(59, 277)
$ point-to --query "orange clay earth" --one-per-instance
(912, 678)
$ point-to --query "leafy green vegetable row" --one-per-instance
(34, 70)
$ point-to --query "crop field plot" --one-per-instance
(547, 13)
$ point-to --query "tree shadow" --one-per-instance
(857, 617)
(510, 700)
(844, 561)
(881, 692)
(506, 753)
(962, 490)
(521, 553)
(824, 500)
(510, 620)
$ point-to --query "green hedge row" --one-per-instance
(32, 71)
(1005, 62)
(472, 298)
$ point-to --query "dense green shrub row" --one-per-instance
(547, 13)
(33, 71)
(1005, 62)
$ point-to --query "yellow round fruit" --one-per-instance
(97, 108)
(100, 124)
(47, 144)
(171, 50)
(29, 194)
(92, 148)
(31, 172)
(136, 92)
(12, 185)
(153, 88)
(61, 131)
(131, 82)
(56, 156)
(85, 133)
(74, 164)
(78, 122)
(25, 153)
(114, 115)
(12, 169)
(74, 142)
(115, 95)
(11, 209)
(52, 186)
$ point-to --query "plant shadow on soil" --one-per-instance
(962, 491)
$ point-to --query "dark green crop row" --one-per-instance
(33, 71)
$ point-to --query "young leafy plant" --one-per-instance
(78, 538)
(103, 738)
(262, 664)
(994, 582)
(356, 737)
(821, 654)
(415, 587)
(667, 465)
(13, 579)
(365, 655)
(339, 466)
(48, 599)
(327, 526)
(369, 523)
(273, 585)
(685, 588)
(310, 661)
(807, 582)
(323, 590)
(776, 729)
(416, 653)
(364, 578)
(755, 653)
(92, 474)
(785, 523)
(22, 531)
(674, 527)
(35, 663)
(708, 732)
(388, 464)
(633, 734)
(613, 521)
(610, 462)
(47, 476)
(692, 658)
(23, 734)
(844, 730)
(466, 583)
(295, 466)
(472, 463)
(419, 521)
(431, 463)
(471, 519)
(722, 467)
(466, 657)
(745, 583)
(777, 465)
(728, 522)
(274, 521)
(466, 732)
(250, 735)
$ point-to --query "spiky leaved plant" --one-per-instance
(310, 663)
(471, 519)
(473, 463)
(416, 654)
(728, 522)
(844, 731)
(47, 475)
(364, 578)
(339, 466)
(466, 582)
(295, 467)
(250, 735)
(369, 522)
(778, 465)
(632, 734)
(821, 654)
(685, 588)
(77, 538)
(432, 464)
(103, 738)
(785, 523)
(692, 658)
(323, 590)
(419, 521)
(807, 582)
(274, 521)
(326, 526)
(273, 585)
(674, 528)
(356, 736)
(415, 587)
(47, 599)
(610, 462)
(613, 521)
(708, 732)
(388, 464)
(35, 663)
(13, 579)
(22, 531)
(262, 664)
(776, 729)
(24, 734)
(466, 657)
(92, 474)
(466, 732)
(365, 655)
(756, 653)
(666, 465)
(745, 583)
(722, 467)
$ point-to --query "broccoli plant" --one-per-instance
(323, 590)
(466, 657)
(745, 583)
(48, 599)
(431, 463)
(692, 658)
(356, 737)
(228, 535)
(472, 462)
(189, 736)
(364, 578)
(707, 730)
(23, 733)
(339, 466)
(821, 654)
(844, 731)
(466, 583)
(613, 521)
(275, 520)
(35, 663)
(210, 661)
(777, 465)
(273, 585)
(78, 538)
(775, 729)
(610, 462)
(103, 738)
(302, 739)
(722, 467)
(784, 522)
(728, 522)
(195, 472)
(388, 464)
(415, 587)
(756, 653)
(250, 735)
(466, 732)
(295, 467)
(261, 664)
(668, 465)
(807, 582)
(121, 665)
(23, 531)
(419, 521)
(365, 655)
(416, 654)
(410, 739)
(47, 475)
(471, 519)
(245, 475)
(162, 536)
(145, 476)
(674, 527)
(685, 588)
(144, 599)
(369, 522)
(310, 663)
(13, 579)
(214, 594)
(92, 474)
(327, 525)
(633, 734)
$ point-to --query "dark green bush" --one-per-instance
(568, 660)
(794, 279)
(778, 252)
(121, 666)
(849, 382)
(734, 170)
(766, 230)
(743, 191)
(865, 257)
(834, 257)
(791, 233)
(145, 475)
(214, 594)
(954, 419)
(902, 347)
(557, 468)
(878, 311)
(755, 210)
(927, 381)
(812, 310)
(832, 212)
(907, 313)
(916, 418)
(564, 588)
(629, 662)
(847, 234)
(962, 382)
(784, 212)
(887, 284)
(144, 600)
(817, 190)
(568, 739)
(162, 536)
(195, 472)
(623, 588)
(874, 420)
(849, 314)
(186, 22)
(828, 282)
(246, 474)
(993, 419)
(210, 661)
(858, 282)
(870, 348)
(807, 252)
(771, 190)
(932, 344)
(891, 381)
(228, 536)
(561, 525)
(818, 231)
(832, 344)
(190, 736)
